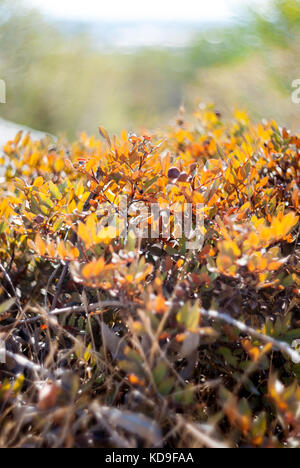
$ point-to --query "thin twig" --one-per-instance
(279, 345)
(60, 285)
(8, 279)
(23, 361)
(204, 439)
(297, 239)
(212, 314)
(54, 273)
(69, 310)
(18, 302)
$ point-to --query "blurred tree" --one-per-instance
(59, 82)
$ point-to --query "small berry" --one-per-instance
(173, 173)
(183, 177)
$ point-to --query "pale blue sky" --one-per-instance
(165, 10)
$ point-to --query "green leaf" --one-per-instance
(150, 182)
(259, 426)
(244, 407)
(291, 335)
(159, 372)
(188, 395)
(34, 206)
(54, 190)
(130, 367)
(132, 355)
(5, 306)
(166, 386)
(45, 200)
(3, 226)
(185, 396)
(57, 225)
(228, 356)
(189, 316)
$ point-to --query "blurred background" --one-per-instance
(73, 65)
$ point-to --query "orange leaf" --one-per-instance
(40, 245)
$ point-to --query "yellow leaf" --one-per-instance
(107, 234)
(105, 135)
(38, 182)
(54, 190)
(40, 245)
(61, 250)
(51, 250)
(92, 227)
(84, 235)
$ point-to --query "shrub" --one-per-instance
(117, 340)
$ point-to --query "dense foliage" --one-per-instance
(126, 342)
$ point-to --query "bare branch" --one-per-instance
(279, 345)
(70, 310)
(204, 439)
